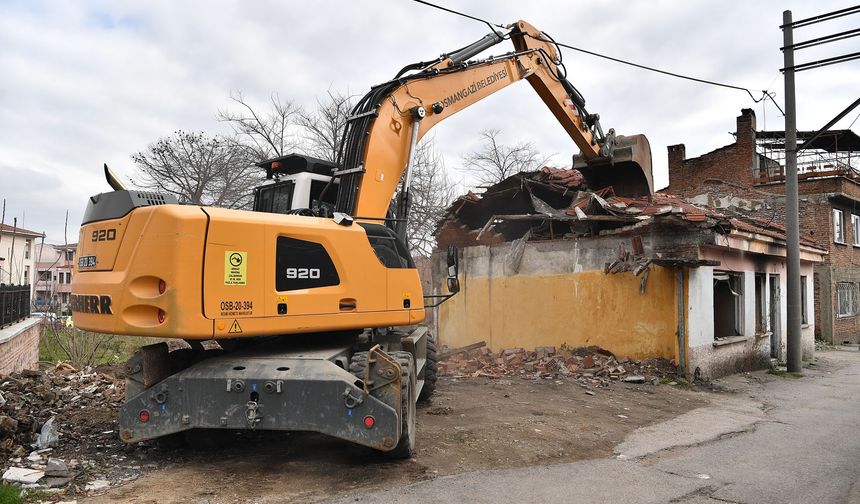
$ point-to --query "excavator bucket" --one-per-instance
(627, 170)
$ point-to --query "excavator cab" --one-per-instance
(296, 183)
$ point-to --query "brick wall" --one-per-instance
(733, 162)
(452, 233)
(729, 171)
(19, 346)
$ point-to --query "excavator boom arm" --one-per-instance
(380, 134)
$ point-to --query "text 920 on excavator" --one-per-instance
(313, 298)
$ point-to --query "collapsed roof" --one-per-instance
(554, 203)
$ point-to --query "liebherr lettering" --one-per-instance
(475, 87)
(91, 304)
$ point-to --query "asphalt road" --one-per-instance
(774, 439)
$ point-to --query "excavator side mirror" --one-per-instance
(453, 269)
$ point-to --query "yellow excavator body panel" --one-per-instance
(182, 271)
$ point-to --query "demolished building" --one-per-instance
(547, 260)
(752, 170)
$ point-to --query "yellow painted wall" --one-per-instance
(579, 309)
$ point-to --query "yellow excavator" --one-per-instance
(313, 298)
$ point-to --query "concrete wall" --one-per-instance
(750, 350)
(560, 295)
(556, 293)
(19, 346)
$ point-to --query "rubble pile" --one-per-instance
(591, 366)
(559, 203)
(60, 406)
(58, 429)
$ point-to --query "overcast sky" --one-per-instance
(82, 83)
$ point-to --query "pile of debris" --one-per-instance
(58, 430)
(591, 366)
(557, 203)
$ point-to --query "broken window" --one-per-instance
(804, 317)
(838, 227)
(760, 314)
(728, 304)
(845, 305)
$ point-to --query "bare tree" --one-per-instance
(495, 161)
(58, 337)
(323, 128)
(432, 191)
(265, 135)
(198, 169)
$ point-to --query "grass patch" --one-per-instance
(10, 494)
(88, 348)
(782, 373)
(675, 381)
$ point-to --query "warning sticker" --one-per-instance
(234, 327)
(235, 267)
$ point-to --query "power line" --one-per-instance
(765, 93)
(664, 72)
(452, 11)
(854, 121)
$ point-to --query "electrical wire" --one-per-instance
(461, 14)
(854, 121)
(657, 70)
(764, 96)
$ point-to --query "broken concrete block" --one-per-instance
(57, 468)
(96, 485)
(22, 475)
(56, 481)
(8, 424)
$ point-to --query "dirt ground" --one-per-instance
(471, 423)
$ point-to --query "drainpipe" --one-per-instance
(682, 343)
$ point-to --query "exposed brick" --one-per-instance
(460, 235)
(21, 351)
(729, 170)
(732, 162)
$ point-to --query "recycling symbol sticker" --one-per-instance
(235, 267)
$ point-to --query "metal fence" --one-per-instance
(14, 303)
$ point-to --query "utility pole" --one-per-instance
(792, 226)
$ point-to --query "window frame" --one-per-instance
(735, 283)
(855, 230)
(839, 226)
(850, 288)
(804, 312)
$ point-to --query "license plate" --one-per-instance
(87, 262)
